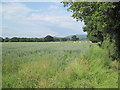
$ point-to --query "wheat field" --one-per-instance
(57, 65)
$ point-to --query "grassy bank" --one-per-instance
(57, 65)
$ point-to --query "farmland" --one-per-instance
(57, 65)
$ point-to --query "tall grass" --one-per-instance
(57, 65)
(93, 70)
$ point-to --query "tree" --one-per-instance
(101, 22)
(48, 38)
(1, 39)
(6, 39)
(74, 38)
(14, 39)
(63, 39)
(56, 39)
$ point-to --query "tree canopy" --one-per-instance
(48, 38)
(74, 38)
(102, 22)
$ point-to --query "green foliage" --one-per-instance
(90, 71)
(110, 47)
(57, 65)
(14, 39)
(95, 36)
(101, 19)
(17, 39)
(43, 39)
(74, 38)
(63, 39)
(1, 39)
(48, 38)
(6, 39)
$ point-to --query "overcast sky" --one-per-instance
(38, 19)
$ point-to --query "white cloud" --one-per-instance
(53, 7)
(32, 0)
(63, 21)
(49, 18)
(28, 32)
(15, 11)
(0, 10)
(20, 13)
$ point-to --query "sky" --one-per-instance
(37, 19)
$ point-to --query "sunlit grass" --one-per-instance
(57, 65)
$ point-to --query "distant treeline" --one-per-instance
(48, 38)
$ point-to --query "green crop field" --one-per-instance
(57, 65)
